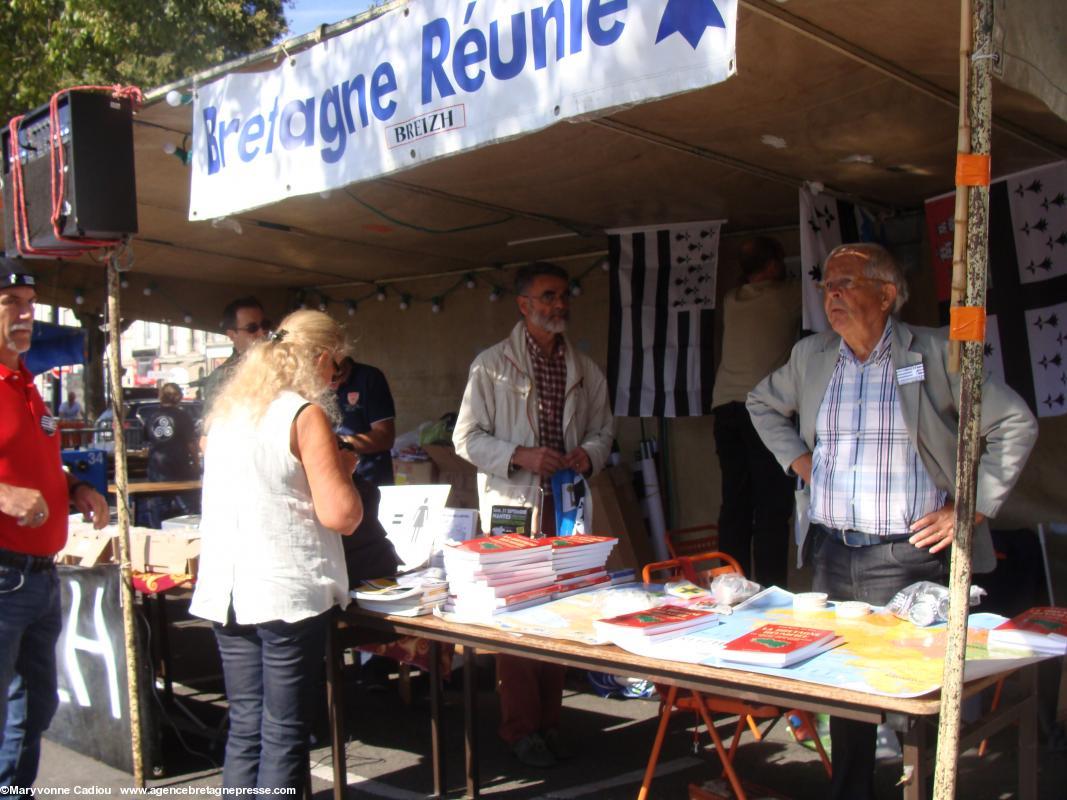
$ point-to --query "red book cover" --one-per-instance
(1044, 620)
(496, 546)
(654, 620)
(778, 640)
(580, 540)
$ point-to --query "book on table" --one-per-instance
(652, 624)
(1042, 629)
(509, 547)
(774, 645)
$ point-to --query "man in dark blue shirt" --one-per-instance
(172, 456)
(367, 419)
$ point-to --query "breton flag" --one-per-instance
(1026, 304)
(826, 222)
(662, 319)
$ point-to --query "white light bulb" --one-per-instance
(170, 148)
(174, 98)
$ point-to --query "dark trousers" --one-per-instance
(872, 574)
(757, 498)
(531, 696)
(269, 671)
(30, 624)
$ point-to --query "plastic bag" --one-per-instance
(732, 589)
(926, 603)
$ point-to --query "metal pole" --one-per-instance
(133, 674)
(967, 451)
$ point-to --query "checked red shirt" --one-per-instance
(550, 379)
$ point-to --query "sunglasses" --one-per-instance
(255, 327)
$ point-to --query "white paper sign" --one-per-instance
(411, 516)
(434, 78)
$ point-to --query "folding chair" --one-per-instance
(701, 568)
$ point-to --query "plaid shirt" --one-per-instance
(866, 476)
(550, 379)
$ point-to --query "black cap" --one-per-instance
(10, 279)
(13, 273)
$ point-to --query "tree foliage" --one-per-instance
(53, 44)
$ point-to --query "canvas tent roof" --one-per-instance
(857, 96)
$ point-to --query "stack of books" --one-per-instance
(778, 645)
(386, 596)
(638, 629)
(1042, 629)
(493, 574)
(579, 562)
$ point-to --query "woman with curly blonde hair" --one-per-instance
(278, 495)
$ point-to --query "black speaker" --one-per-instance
(100, 192)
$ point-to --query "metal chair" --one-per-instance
(701, 568)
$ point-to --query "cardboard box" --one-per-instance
(617, 512)
(87, 548)
(413, 472)
(160, 551)
(460, 474)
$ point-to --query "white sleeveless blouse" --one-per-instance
(262, 547)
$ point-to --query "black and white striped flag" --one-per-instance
(826, 222)
(1026, 323)
(662, 319)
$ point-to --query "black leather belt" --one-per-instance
(858, 539)
(26, 562)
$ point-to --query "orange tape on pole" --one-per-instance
(972, 169)
(966, 323)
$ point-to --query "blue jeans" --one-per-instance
(30, 624)
(270, 672)
(872, 574)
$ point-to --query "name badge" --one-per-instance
(912, 374)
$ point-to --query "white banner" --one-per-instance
(440, 77)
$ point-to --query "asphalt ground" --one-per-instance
(388, 746)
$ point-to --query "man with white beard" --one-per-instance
(533, 406)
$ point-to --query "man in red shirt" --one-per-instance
(35, 496)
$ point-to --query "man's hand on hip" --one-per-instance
(802, 467)
(935, 530)
(539, 460)
(25, 505)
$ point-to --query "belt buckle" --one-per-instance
(854, 539)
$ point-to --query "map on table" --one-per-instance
(880, 654)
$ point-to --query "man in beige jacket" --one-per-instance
(533, 406)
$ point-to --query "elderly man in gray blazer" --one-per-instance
(876, 450)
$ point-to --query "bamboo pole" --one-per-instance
(963, 145)
(133, 674)
(967, 451)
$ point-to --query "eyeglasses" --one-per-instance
(253, 328)
(845, 284)
(551, 298)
